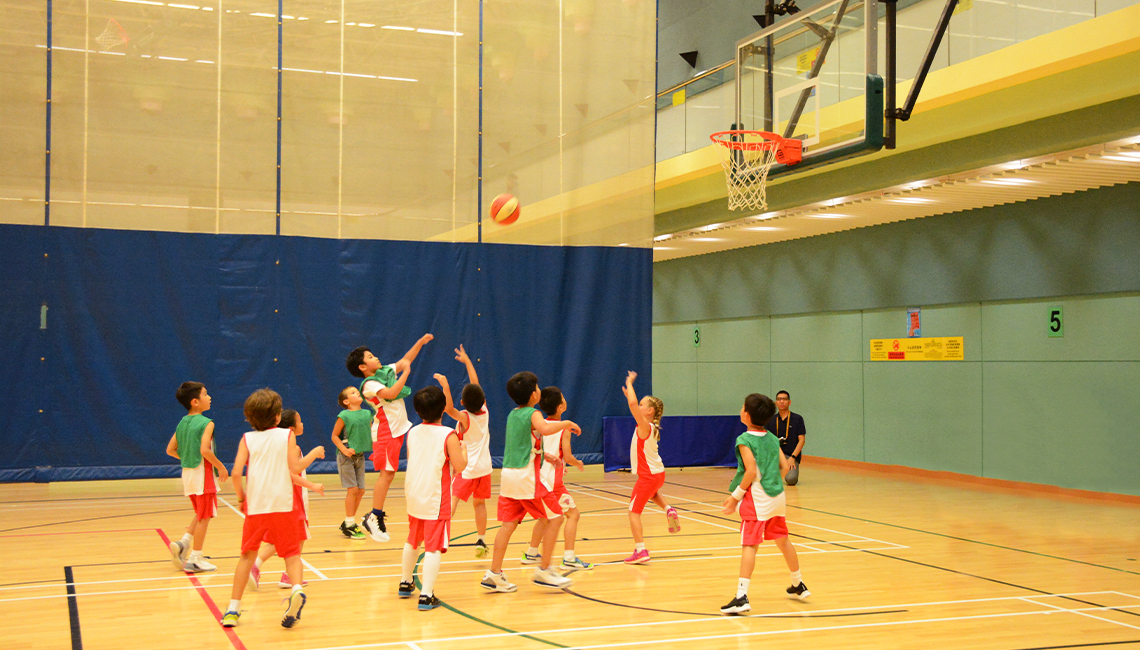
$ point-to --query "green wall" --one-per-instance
(799, 316)
(1021, 406)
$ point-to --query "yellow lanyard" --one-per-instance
(787, 423)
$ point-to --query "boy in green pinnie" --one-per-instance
(352, 435)
(193, 445)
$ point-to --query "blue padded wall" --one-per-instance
(133, 314)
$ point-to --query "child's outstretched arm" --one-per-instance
(568, 455)
(338, 440)
(172, 447)
(737, 495)
(461, 356)
(546, 427)
(411, 354)
(307, 459)
(208, 452)
(239, 465)
(643, 426)
(449, 408)
(307, 484)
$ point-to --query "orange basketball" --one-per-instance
(505, 209)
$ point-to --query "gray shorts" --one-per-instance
(351, 470)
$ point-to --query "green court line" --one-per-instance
(928, 532)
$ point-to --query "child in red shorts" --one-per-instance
(758, 490)
(472, 425)
(646, 464)
(273, 457)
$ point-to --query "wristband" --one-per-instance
(738, 493)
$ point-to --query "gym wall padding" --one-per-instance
(132, 314)
(686, 441)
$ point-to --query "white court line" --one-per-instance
(605, 498)
(303, 560)
(1082, 613)
(712, 619)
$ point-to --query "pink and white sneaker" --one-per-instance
(674, 520)
(254, 578)
(286, 583)
(638, 557)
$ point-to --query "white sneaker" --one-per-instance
(178, 554)
(497, 582)
(199, 566)
(376, 529)
(551, 578)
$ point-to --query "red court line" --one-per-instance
(238, 645)
(78, 532)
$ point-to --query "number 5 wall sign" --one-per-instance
(1056, 326)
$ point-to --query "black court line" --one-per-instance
(76, 521)
(72, 609)
(928, 532)
(1094, 644)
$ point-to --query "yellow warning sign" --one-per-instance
(935, 348)
(805, 60)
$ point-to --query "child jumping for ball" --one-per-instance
(384, 390)
(645, 462)
(291, 420)
(758, 491)
(520, 490)
(267, 501)
(193, 445)
(434, 455)
(558, 453)
(352, 435)
(474, 482)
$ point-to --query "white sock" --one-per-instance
(482, 538)
(568, 555)
(796, 578)
(194, 556)
(431, 572)
(235, 606)
(640, 546)
(350, 521)
(532, 550)
(187, 539)
(257, 563)
(742, 587)
(409, 563)
(296, 588)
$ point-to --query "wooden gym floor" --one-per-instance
(892, 561)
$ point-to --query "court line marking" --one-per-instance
(713, 619)
(702, 521)
(1081, 613)
(210, 604)
(304, 562)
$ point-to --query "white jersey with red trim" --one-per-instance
(391, 415)
(478, 450)
(551, 474)
(268, 487)
(427, 483)
(643, 457)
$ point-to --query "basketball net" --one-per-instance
(746, 157)
(113, 36)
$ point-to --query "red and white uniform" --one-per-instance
(427, 486)
(269, 494)
(301, 507)
(388, 426)
(645, 463)
(475, 479)
(552, 474)
(198, 484)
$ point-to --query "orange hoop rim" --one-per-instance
(770, 140)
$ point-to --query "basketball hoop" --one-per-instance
(747, 156)
(113, 36)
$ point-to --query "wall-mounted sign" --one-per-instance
(938, 348)
(1056, 326)
(914, 322)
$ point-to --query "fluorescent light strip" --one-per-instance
(172, 58)
(441, 32)
(1009, 181)
(142, 2)
(398, 28)
(828, 215)
(178, 6)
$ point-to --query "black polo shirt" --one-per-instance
(788, 431)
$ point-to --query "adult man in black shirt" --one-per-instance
(789, 428)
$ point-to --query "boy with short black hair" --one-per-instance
(520, 490)
(472, 425)
(384, 389)
(434, 454)
(558, 453)
(352, 436)
(268, 502)
(193, 445)
(759, 493)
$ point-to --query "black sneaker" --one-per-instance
(428, 602)
(480, 548)
(737, 605)
(345, 530)
(374, 524)
(799, 591)
(407, 589)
